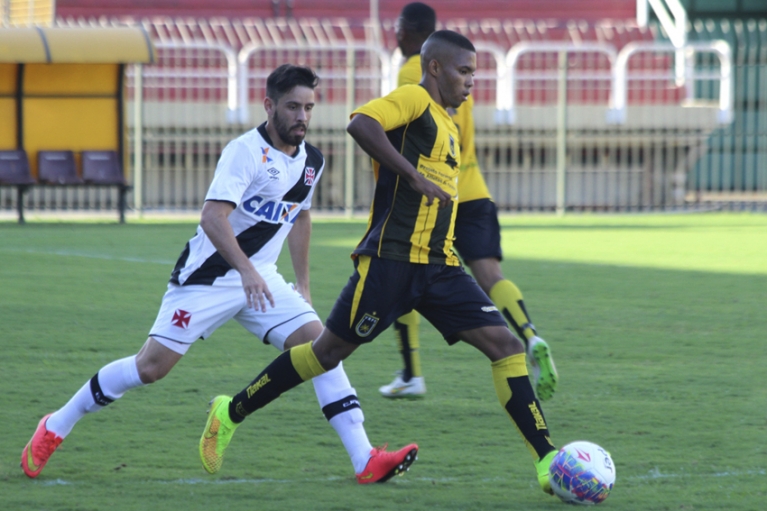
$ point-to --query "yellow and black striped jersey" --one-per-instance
(401, 226)
(471, 184)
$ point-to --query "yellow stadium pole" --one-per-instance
(138, 139)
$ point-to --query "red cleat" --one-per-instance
(39, 449)
(384, 465)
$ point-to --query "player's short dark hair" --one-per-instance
(284, 78)
(453, 38)
(419, 18)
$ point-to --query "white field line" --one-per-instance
(89, 255)
(654, 474)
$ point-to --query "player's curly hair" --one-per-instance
(284, 78)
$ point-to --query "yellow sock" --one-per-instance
(305, 361)
(288, 370)
(406, 331)
(516, 396)
(508, 298)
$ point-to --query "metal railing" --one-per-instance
(721, 49)
(671, 152)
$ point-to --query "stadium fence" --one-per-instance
(627, 132)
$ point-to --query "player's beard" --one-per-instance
(285, 131)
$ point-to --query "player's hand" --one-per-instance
(303, 290)
(256, 291)
(431, 191)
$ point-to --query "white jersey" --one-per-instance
(269, 189)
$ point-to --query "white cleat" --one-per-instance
(414, 387)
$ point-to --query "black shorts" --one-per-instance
(381, 290)
(477, 231)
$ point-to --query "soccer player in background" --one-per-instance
(477, 234)
(260, 196)
(405, 259)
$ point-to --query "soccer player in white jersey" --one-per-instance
(260, 195)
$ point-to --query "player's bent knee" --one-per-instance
(155, 361)
(305, 333)
(328, 361)
(152, 373)
(494, 342)
(331, 349)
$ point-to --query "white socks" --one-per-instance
(338, 401)
(110, 383)
(335, 394)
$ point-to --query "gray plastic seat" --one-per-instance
(102, 167)
(57, 167)
(14, 168)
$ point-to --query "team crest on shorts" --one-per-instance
(181, 318)
(366, 325)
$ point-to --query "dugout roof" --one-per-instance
(81, 45)
(62, 88)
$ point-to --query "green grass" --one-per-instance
(656, 323)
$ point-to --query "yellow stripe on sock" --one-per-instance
(305, 361)
(506, 295)
(510, 367)
(411, 320)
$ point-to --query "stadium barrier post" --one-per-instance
(561, 131)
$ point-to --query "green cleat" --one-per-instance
(545, 375)
(542, 468)
(217, 435)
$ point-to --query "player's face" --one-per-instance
(399, 32)
(456, 77)
(290, 116)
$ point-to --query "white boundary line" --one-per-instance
(70, 253)
(654, 474)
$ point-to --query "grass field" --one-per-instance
(657, 325)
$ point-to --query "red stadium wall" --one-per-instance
(589, 10)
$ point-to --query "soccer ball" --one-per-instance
(582, 473)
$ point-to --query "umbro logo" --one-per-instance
(273, 173)
(489, 308)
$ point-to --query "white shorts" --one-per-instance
(194, 312)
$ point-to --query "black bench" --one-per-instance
(57, 168)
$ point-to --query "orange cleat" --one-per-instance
(384, 465)
(39, 449)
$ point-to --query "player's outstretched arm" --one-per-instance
(371, 137)
(216, 226)
(298, 244)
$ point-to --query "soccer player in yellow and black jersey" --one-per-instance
(477, 233)
(405, 259)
